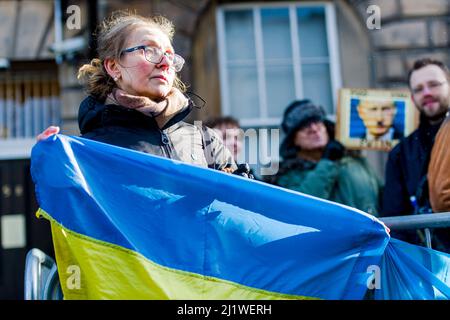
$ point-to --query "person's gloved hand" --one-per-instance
(334, 150)
(227, 169)
(243, 170)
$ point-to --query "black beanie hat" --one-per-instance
(297, 115)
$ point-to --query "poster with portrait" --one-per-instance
(374, 119)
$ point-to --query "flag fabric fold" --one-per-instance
(137, 226)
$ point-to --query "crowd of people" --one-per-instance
(416, 176)
(136, 100)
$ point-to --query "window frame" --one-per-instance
(42, 76)
(333, 59)
(16, 148)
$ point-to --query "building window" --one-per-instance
(271, 54)
(29, 103)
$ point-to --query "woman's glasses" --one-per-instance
(196, 101)
(155, 55)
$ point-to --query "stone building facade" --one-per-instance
(368, 58)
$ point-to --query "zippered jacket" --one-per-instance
(128, 128)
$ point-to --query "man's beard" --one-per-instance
(436, 117)
(439, 113)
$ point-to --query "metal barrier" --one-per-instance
(419, 221)
(41, 277)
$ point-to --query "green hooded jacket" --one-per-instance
(349, 181)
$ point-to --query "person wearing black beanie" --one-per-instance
(315, 163)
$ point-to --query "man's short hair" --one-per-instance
(419, 64)
(227, 121)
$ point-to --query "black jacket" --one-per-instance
(405, 177)
(131, 129)
(405, 169)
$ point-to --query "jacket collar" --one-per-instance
(93, 114)
(427, 131)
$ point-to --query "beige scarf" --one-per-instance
(162, 111)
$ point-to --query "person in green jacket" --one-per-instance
(316, 164)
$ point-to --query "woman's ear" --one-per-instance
(112, 68)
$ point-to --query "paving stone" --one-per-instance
(401, 35)
(425, 7)
(33, 19)
(440, 32)
(7, 18)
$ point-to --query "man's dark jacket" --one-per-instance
(406, 166)
(405, 176)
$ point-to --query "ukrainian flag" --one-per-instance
(128, 225)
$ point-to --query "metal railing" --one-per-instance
(419, 221)
(41, 277)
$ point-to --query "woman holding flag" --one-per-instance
(135, 97)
